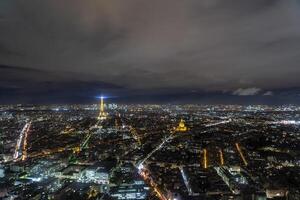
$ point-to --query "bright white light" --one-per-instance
(38, 179)
(286, 122)
(140, 167)
(101, 97)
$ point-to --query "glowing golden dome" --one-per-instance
(181, 127)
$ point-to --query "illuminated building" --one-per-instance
(181, 127)
(239, 182)
(102, 114)
(71, 172)
(98, 175)
(137, 190)
(1, 173)
(276, 193)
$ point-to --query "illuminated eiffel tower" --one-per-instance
(102, 115)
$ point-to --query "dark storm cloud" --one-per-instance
(211, 45)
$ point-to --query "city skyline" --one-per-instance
(149, 100)
(149, 152)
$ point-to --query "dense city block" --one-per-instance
(177, 152)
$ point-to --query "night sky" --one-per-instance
(170, 51)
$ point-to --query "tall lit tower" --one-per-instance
(102, 114)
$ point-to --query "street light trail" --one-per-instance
(48, 152)
(205, 158)
(140, 165)
(221, 157)
(147, 178)
(241, 154)
(24, 152)
(218, 123)
(186, 181)
(19, 141)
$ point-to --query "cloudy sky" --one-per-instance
(57, 50)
